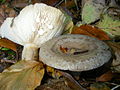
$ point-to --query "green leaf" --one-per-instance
(24, 75)
(91, 11)
(5, 49)
(2, 1)
(110, 26)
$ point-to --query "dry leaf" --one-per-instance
(64, 50)
(54, 73)
(23, 3)
(5, 12)
(24, 75)
(91, 10)
(8, 44)
(19, 3)
(71, 82)
(91, 31)
(116, 51)
(105, 77)
(110, 25)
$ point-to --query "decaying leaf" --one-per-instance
(116, 61)
(110, 26)
(64, 50)
(71, 82)
(8, 44)
(54, 84)
(24, 75)
(91, 10)
(90, 31)
(5, 12)
(99, 86)
(105, 77)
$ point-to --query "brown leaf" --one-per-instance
(19, 3)
(71, 82)
(64, 50)
(5, 12)
(91, 31)
(116, 51)
(105, 77)
(8, 44)
(23, 3)
(115, 66)
(24, 75)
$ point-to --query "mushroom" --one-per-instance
(34, 25)
(75, 53)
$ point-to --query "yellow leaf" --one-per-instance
(27, 76)
(53, 72)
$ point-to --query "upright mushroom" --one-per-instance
(75, 53)
(34, 25)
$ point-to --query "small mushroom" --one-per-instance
(34, 25)
(75, 53)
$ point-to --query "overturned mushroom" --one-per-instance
(33, 26)
(81, 53)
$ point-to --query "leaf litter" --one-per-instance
(27, 75)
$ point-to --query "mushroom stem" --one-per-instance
(30, 52)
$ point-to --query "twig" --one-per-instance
(115, 88)
(59, 3)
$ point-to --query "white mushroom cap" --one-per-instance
(83, 53)
(35, 24)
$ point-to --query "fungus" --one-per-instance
(32, 27)
(74, 53)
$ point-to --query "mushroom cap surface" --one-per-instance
(35, 24)
(81, 53)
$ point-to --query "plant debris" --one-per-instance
(95, 18)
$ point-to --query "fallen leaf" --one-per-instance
(5, 12)
(64, 50)
(91, 10)
(90, 31)
(24, 75)
(71, 82)
(23, 3)
(53, 72)
(105, 77)
(115, 66)
(99, 86)
(110, 26)
(19, 3)
(116, 51)
(8, 44)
